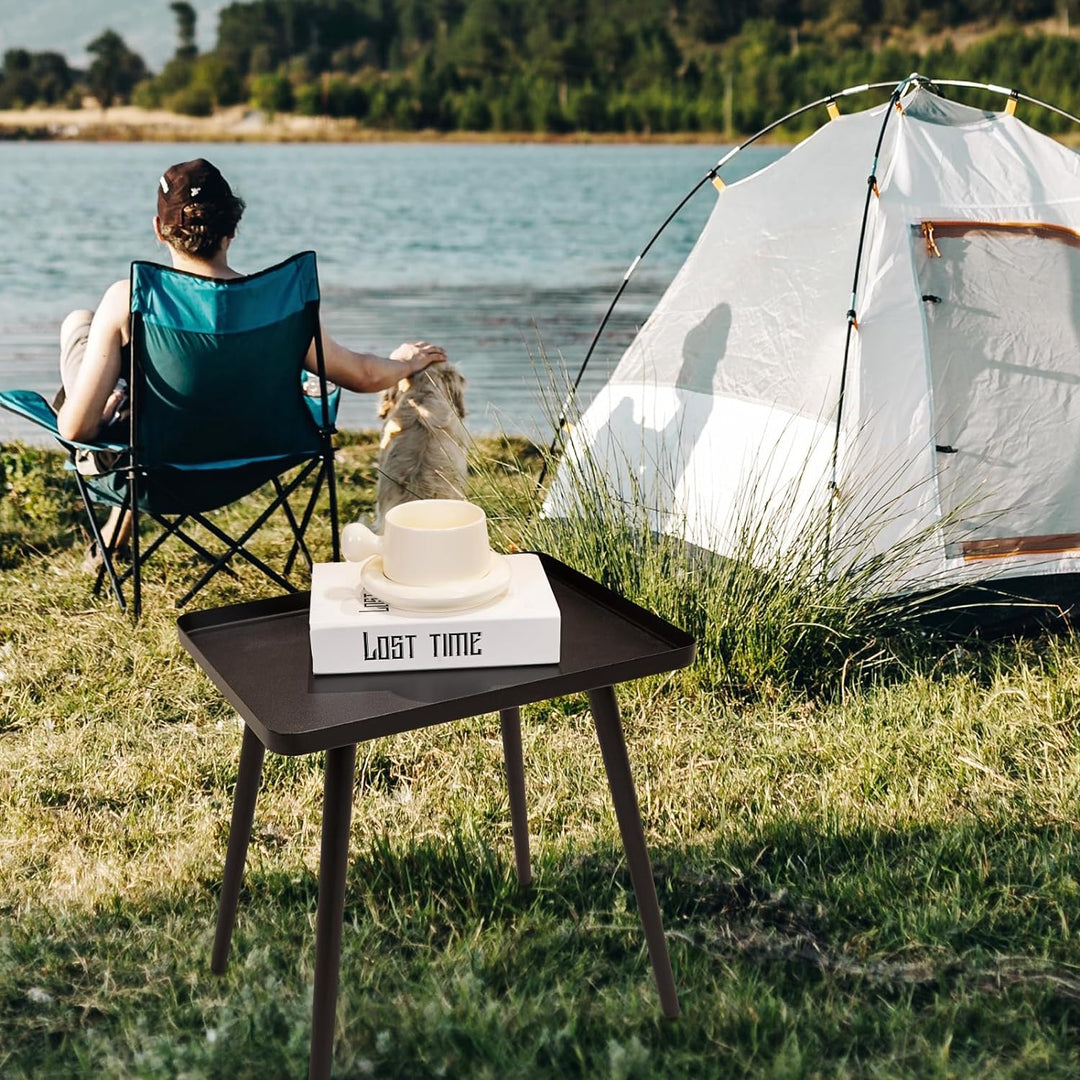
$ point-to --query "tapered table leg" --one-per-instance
(247, 788)
(333, 860)
(515, 780)
(605, 712)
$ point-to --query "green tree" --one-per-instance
(210, 74)
(34, 77)
(471, 112)
(272, 93)
(589, 109)
(115, 69)
(899, 12)
(186, 16)
(714, 20)
(19, 89)
(510, 107)
(638, 65)
(52, 77)
(342, 97)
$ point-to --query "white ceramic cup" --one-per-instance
(426, 543)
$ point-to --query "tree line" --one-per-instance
(624, 66)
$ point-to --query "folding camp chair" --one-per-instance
(217, 412)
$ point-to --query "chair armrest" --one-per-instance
(30, 405)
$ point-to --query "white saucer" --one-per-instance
(457, 596)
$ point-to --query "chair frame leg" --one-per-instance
(299, 546)
(331, 491)
(235, 546)
(172, 525)
(107, 566)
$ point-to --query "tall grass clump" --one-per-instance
(770, 616)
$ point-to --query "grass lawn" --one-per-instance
(865, 843)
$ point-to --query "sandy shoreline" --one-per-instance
(240, 123)
(127, 123)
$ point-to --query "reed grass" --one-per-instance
(870, 872)
(797, 605)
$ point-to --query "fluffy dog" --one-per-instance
(422, 453)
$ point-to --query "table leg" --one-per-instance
(605, 712)
(333, 860)
(247, 788)
(515, 780)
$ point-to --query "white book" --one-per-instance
(353, 631)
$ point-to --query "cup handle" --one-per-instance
(358, 542)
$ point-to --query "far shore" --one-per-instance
(239, 123)
(128, 123)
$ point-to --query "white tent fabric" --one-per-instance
(959, 435)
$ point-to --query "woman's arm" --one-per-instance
(366, 372)
(91, 401)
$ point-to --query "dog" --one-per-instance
(422, 452)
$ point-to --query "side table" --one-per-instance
(258, 656)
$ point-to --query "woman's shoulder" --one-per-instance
(116, 303)
(121, 289)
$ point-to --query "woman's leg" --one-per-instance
(74, 331)
(117, 530)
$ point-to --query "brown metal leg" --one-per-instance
(333, 860)
(605, 712)
(247, 787)
(515, 780)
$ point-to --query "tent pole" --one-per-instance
(993, 88)
(852, 318)
(561, 423)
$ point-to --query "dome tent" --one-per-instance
(932, 406)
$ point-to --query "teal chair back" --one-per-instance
(217, 387)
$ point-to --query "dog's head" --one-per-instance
(437, 382)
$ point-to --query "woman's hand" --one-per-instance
(417, 355)
(113, 404)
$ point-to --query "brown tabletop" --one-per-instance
(258, 656)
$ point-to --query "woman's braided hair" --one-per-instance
(197, 208)
(204, 225)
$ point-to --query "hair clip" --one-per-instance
(195, 191)
(164, 185)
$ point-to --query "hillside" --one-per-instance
(629, 68)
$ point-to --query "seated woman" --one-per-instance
(197, 216)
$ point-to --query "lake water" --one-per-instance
(506, 255)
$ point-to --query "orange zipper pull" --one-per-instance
(932, 250)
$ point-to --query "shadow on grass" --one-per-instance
(865, 946)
